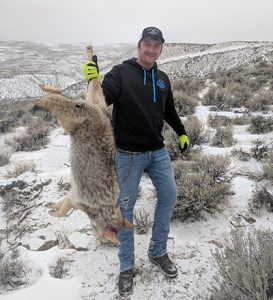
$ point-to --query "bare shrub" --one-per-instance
(217, 166)
(63, 185)
(27, 119)
(5, 155)
(20, 168)
(260, 149)
(261, 198)
(35, 138)
(184, 104)
(172, 144)
(271, 84)
(196, 132)
(11, 120)
(261, 124)
(241, 154)
(242, 120)
(217, 120)
(268, 166)
(142, 221)
(202, 185)
(245, 266)
(6, 125)
(189, 86)
(260, 102)
(217, 97)
(12, 271)
(238, 94)
(209, 96)
(223, 137)
(60, 268)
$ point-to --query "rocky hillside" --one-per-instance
(26, 65)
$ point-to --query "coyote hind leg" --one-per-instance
(61, 207)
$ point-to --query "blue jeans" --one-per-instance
(129, 168)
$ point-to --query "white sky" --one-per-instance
(108, 21)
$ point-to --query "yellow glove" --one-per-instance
(91, 69)
(184, 142)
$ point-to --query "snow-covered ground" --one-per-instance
(93, 267)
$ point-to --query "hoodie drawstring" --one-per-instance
(154, 90)
(144, 80)
(153, 80)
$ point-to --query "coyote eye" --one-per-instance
(78, 106)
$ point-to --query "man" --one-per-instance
(142, 99)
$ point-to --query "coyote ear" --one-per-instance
(127, 225)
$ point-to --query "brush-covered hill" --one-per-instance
(26, 65)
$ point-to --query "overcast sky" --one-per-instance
(110, 21)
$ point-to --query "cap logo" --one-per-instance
(153, 31)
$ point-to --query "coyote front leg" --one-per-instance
(60, 208)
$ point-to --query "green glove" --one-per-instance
(184, 142)
(91, 69)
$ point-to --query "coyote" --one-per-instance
(95, 188)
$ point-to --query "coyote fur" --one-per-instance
(95, 188)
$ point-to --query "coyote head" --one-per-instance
(71, 114)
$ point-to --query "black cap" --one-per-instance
(153, 33)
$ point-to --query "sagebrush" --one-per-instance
(245, 266)
(203, 185)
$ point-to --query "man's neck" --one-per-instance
(145, 66)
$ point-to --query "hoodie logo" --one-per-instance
(161, 84)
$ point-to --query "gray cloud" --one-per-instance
(108, 21)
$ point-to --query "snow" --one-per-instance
(48, 288)
(93, 267)
(93, 272)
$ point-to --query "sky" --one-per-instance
(122, 21)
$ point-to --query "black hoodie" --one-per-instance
(141, 100)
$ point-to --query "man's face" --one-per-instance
(148, 52)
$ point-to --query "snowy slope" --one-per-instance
(24, 65)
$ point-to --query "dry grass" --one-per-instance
(20, 168)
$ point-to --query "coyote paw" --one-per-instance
(54, 213)
(51, 205)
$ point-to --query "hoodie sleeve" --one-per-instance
(111, 85)
(171, 116)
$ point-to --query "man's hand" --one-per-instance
(91, 69)
(184, 142)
